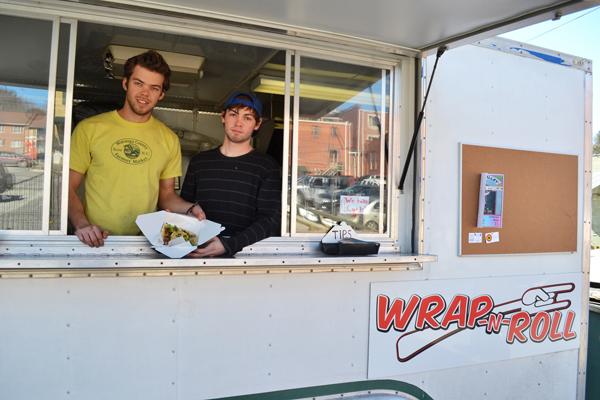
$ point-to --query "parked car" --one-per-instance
(370, 217)
(13, 159)
(313, 189)
(370, 180)
(7, 180)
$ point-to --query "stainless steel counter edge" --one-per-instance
(40, 266)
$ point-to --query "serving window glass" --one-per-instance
(24, 87)
(342, 134)
(326, 122)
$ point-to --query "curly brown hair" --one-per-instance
(151, 60)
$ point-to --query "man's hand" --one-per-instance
(198, 212)
(92, 235)
(213, 248)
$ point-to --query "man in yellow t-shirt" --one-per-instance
(128, 159)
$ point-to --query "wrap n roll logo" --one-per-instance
(539, 314)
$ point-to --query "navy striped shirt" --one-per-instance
(241, 193)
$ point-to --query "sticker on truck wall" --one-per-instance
(450, 323)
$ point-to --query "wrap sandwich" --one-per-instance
(170, 232)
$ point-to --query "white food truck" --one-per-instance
(479, 289)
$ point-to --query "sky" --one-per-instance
(576, 34)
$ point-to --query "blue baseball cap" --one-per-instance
(244, 99)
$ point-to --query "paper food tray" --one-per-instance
(151, 224)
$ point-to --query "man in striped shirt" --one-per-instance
(234, 184)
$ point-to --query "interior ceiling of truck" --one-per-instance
(227, 66)
(414, 24)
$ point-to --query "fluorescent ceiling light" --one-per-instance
(274, 85)
(185, 68)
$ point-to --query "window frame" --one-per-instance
(400, 67)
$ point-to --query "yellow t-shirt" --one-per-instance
(123, 162)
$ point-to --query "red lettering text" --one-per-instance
(540, 326)
(431, 307)
(518, 323)
(457, 312)
(397, 314)
(480, 306)
(494, 323)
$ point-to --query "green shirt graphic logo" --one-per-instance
(131, 151)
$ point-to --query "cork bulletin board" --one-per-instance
(540, 200)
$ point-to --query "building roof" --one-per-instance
(19, 118)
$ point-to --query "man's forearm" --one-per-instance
(76, 212)
(174, 203)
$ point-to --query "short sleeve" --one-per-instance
(80, 157)
(173, 166)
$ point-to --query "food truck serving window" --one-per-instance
(327, 123)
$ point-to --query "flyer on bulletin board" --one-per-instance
(491, 198)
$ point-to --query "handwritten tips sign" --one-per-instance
(353, 204)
